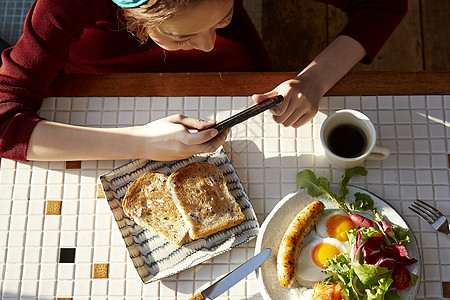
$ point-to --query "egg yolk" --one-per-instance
(323, 251)
(337, 227)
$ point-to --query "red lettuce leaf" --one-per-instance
(376, 252)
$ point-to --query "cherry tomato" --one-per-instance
(401, 277)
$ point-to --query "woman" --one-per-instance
(166, 36)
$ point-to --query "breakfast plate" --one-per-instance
(276, 223)
(153, 256)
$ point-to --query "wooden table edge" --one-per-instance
(242, 84)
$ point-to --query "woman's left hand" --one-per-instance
(301, 101)
(302, 94)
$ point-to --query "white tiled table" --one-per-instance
(266, 157)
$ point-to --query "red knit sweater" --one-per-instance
(85, 36)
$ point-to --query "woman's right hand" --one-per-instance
(178, 137)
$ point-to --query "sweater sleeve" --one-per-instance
(31, 65)
(371, 22)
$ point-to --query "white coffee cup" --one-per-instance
(349, 138)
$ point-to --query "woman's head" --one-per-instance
(179, 24)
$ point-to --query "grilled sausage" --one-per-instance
(292, 242)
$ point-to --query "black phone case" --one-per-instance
(248, 113)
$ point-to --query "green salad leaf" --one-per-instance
(369, 274)
(362, 202)
(320, 186)
(377, 292)
(349, 173)
(391, 295)
(414, 278)
(339, 268)
(401, 235)
(316, 186)
(369, 281)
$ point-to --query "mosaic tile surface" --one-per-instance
(265, 156)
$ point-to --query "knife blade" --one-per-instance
(225, 283)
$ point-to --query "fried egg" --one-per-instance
(334, 224)
(312, 257)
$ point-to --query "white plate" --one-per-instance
(153, 256)
(276, 223)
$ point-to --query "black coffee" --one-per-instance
(347, 140)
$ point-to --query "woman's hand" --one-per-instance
(178, 137)
(302, 94)
(301, 101)
(170, 138)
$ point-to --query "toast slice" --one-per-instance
(149, 203)
(200, 192)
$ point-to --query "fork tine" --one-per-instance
(421, 213)
(423, 210)
(431, 215)
(436, 212)
(429, 210)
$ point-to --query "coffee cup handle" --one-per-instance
(379, 153)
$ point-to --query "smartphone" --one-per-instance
(248, 113)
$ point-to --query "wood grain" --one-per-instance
(293, 32)
(336, 21)
(403, 50)
(436, 34)
(242, 84)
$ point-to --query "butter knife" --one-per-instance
(222, 285)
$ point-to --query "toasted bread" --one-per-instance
(200, 192)
(149, 203)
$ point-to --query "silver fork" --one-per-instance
(431, 215)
